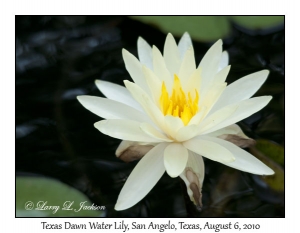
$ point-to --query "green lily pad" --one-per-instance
(44, 197)
(276, 181)
(272, 150)
(258, 22)
(210, 28)
(201, 28)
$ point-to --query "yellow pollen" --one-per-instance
(178, 104)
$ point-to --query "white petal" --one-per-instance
(224, 60)
(198, 117)
(241, 89)
(211, 96)
(187, 133)
(216, 118)
(134, 68)
(221, 76)
(188, 66)
(143, 178)
(123, 146)
(145, 53)
(110, 109)
(160, 69)
(193, 83)
(173, 124)
(148, 105)
(210, 63)
(243, 160)
(195, 161)
(171, 55)
(175, 159)
(245, 109)
(209, 149)
(125, 130)
(151, 131)
(231, 129)
(117, 93)
(154, 84)
(184, 43)
(194, 175)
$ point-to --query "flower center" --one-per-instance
(178, 104)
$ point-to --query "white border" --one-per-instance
(98, 7)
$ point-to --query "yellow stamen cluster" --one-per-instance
(178, 104)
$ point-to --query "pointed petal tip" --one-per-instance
(267, 172)
(119, 207)
(229, 160)
(173, 175)
(127, 82)
(82, 98)
(98, 124)
(141, 39)
(125, 52)
(270, 173)
(220, 41)
(170, 37)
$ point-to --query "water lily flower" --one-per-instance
(176, 112)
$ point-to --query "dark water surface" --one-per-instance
(58, 58)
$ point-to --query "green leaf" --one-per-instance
(272, 150)
(271, 154)
(201, 28)
(258, 22)
(53, 193)
(211, 28)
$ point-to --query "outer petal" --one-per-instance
(110, 109)
(129, 151)
(209, 149)
(125, 130)
(210, 64)
(193, 176)
(117, 93)
(233, 134)
(224, 60)
(175, 159)
(231, 129)
(241, 89)
(184, 43)
(243, 160)
(134, 68)
(171, 55)
(143, 178)
(245, 109)
(145, 53)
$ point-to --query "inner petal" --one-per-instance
(179, 104)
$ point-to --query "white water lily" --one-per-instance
(181, 112)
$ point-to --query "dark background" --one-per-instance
(59, 57)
